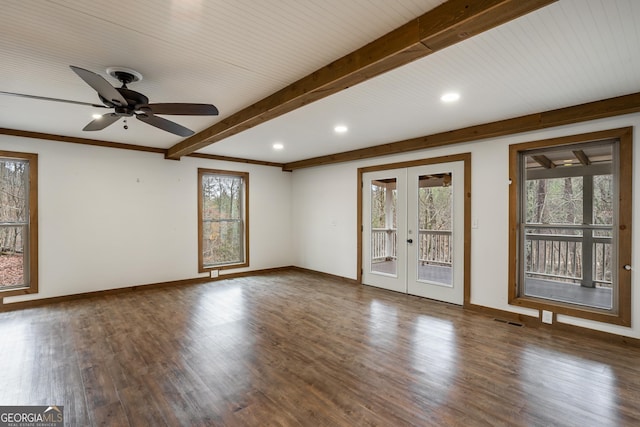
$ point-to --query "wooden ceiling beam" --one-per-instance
(611, 107)
(544, 161)
(441, 27)
(581, 155)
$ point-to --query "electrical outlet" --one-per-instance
(214, 273)
(547, 317)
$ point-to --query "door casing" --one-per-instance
(466, 159)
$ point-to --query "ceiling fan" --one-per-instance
(129, 103)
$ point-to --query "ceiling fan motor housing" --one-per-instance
(124, 77)
(132, 97)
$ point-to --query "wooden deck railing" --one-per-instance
(383, 244)
(551, 255)
(434, 245)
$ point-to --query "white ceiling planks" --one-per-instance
(232, 54)
(538, 62)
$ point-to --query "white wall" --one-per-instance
(324, 219)
(326, 195)
(111, 218)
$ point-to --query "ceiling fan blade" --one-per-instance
(100, 85)
(164, 124)
(182, 109)
(102, 122)
(45, 98)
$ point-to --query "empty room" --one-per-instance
(319, 213)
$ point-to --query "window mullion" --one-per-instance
(587, 233)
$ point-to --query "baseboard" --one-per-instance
(535, 322)
(604, 336)
(326, 275)
(260, 272)
(20, 305)
(529, 321)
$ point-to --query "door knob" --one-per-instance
(627, 267)
(409, 240)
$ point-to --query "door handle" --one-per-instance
(409, 240)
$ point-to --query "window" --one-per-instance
(18, 223)
(570, 225)
(223, 203)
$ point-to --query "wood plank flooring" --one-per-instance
(298, 349)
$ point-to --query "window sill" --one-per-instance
(207, 269)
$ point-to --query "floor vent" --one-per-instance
(508, 322)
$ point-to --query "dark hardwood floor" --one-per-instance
(299, 349)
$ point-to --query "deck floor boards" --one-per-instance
(540, 288)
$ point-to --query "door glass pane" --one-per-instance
(383, 226)
(568, 231)
(435, 243)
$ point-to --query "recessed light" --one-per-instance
(450, 97)
(340, 129)
(278, 146)
(96, 116)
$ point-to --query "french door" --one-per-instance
(413, 230)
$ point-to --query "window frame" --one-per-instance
(202, 268)
(31, 252)
(621, 316)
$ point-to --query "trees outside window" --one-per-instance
(570, 225)
(222, 210)
(18, 223)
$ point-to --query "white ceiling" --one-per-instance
(234, 53)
